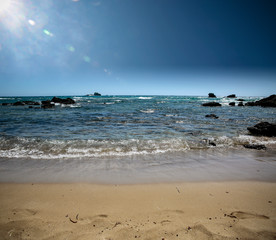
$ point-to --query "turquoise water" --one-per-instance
(103, 131)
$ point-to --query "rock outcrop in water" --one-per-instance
(97, 94)
(232, 104)
(232, 96)
(63, 101)
(212, 95)
(50, 103)
(263, 129)
(47, 104)
(265, 102)
(211, 104)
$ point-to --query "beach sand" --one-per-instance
(217, 210)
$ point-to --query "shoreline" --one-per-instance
(182, 210)
(195, 166)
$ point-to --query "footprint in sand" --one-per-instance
(246, 215)
(24, 212)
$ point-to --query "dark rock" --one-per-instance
(6, 104)
(251, 104)
(265, 102)
(97, 94)
(211, 143)
(211, 104)
(47, 102)
(31, 103)
(232, 96)
(232, 103)
(212, 95)
(18, 104)
(263, 129)
(255, 146)
(211, 116)
(240, 99)
(63, 101)
(240, 104)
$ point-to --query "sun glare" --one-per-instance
(5, 5)
(12, 15)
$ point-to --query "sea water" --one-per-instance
(125, 139)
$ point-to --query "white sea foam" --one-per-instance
(144, 97)
(56, 149)
(148, 111)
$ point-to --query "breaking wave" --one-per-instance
(34, 148)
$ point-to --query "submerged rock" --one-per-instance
(50, 105)
(232, 96)
(255, 146)
(265, 102)
(212, 95)
(19, 104)
(211, 116)
(232, 103)
(263, 129)
(211, 104)
(240, 99)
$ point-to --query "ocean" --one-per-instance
(132, 139)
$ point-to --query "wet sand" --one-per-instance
(203, 210)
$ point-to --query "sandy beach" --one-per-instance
(204, 210)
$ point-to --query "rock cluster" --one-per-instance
(44, 104)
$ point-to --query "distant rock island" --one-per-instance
(212, 95)
(95, 94)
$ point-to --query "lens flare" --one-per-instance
(86, 59)
(70, 48)
(48, 33)
(31, 22)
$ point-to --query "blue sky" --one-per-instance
(175, 47)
